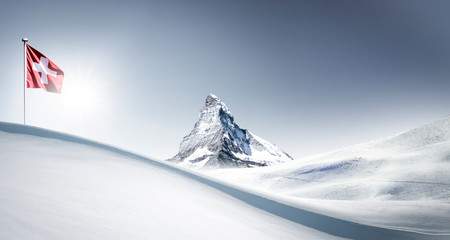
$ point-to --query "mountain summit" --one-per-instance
(217, 141)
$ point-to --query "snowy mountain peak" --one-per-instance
(217, 141)
(212, 101)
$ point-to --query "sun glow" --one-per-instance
(82, 97)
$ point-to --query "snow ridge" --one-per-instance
(410, 166)
(217, 141)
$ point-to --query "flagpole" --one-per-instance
(24, 40)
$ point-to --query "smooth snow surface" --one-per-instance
(57, 186)
(400, 182)
(55, 189)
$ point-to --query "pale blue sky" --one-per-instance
(309, 76)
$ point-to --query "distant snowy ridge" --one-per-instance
(217, 141)
(414, 165)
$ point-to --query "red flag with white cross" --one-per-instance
(43, 73)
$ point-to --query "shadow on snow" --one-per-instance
(326, 224)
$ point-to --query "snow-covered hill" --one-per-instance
(217, 141)
(58, 186)
(400, 181)
(414, 165)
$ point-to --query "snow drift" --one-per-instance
(414, 165)
(57, 186)
(401, 182)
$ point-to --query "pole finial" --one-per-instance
(24, 40)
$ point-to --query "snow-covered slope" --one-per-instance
(414, 165)
(217, 141)
(399, 181)
(57, 186)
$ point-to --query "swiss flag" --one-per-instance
(43, 73)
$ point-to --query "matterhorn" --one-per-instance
(217, 141)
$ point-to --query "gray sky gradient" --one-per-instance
(309, 76)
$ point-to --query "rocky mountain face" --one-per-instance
(217, 141)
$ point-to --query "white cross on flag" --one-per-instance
(43, 73)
